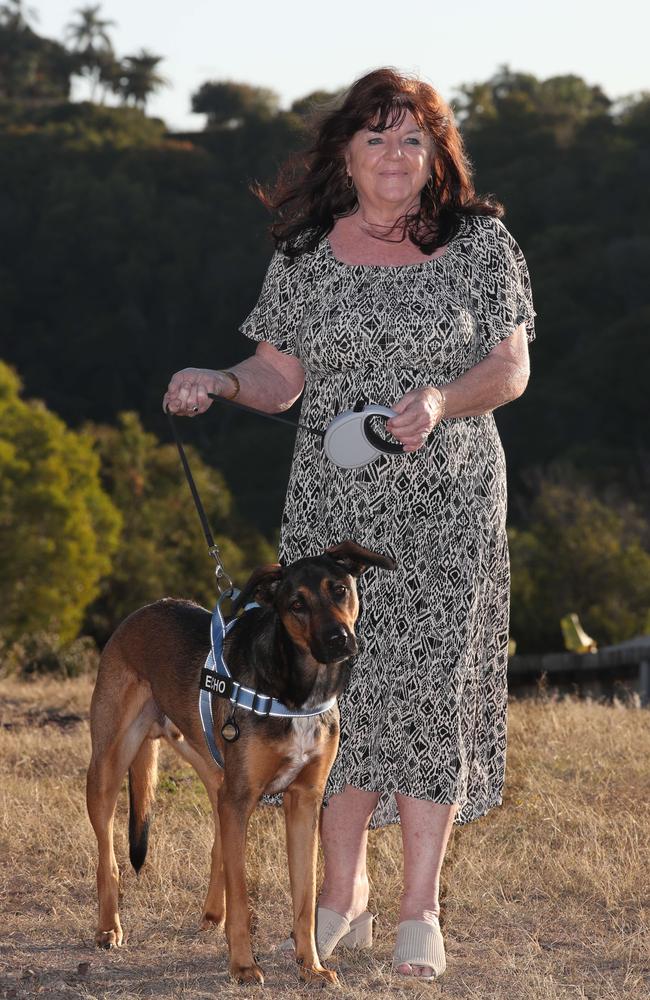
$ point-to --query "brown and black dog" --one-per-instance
(296, 648)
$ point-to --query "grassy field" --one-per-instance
(547, 897)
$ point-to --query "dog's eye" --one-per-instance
(339, 590)
(297, 604)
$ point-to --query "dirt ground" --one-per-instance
(546, 898)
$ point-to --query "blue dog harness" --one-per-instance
(216, 680)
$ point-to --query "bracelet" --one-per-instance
(233, 378)
(443, 399)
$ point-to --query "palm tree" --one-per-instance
(139, 77)
(89, 36)
(16, 14)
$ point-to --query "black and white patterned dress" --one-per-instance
(425, 711)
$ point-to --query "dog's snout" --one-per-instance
(337, 639)
(339, 642)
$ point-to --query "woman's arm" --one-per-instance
(498, 379)
(269, 381)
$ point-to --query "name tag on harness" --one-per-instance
(215, 684)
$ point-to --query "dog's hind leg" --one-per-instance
(214, 908)
(121, 715)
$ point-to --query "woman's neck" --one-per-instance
(380, 217)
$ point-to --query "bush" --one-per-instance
(44, 653)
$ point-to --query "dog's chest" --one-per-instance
(303, 744)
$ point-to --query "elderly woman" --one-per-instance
(393, 282)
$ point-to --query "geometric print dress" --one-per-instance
(425, 711)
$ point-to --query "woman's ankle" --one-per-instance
(413, 909)
(348, 900)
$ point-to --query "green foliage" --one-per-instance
(317, 101)
(44, 653)
(31, 67)
(578, 554)
(162, 550)
(81, 127)
(227, 103)
(138, 79)
(57, 527)
(559, 105)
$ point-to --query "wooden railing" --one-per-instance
(635, 653)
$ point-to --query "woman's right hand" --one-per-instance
(187, 395)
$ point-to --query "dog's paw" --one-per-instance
(109, 939)
(243, 974)
(210, 920)
(318, 976)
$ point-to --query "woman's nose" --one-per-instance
(394, 149)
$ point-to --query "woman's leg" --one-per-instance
(344, 838)
(425, 832)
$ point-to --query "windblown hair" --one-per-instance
(311, 189)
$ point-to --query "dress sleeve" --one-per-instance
(278, 313)
(502, 297)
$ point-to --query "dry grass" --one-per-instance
(544, 899)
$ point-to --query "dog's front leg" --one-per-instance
(302, 805)
(234, 813)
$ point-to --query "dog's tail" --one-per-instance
(143, 776)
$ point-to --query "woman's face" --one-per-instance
(390, 166)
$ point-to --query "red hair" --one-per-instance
(311, 191)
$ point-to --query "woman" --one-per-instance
(393, 282)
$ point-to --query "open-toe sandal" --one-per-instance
(332, 930)
(420, 943)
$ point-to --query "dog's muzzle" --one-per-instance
(336, 644)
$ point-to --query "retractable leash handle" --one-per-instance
(349, 440)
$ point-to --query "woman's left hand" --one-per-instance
(418, 412)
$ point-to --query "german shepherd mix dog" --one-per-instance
(294, 647)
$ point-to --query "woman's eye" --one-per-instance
(373, 140)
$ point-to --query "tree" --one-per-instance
(58, 529)
(16, 14)
(89, 36)
(312, 103)
(559, 104)
(32, 68)
(228, 104)
(138, 79)
(162, 551)
(577, 553)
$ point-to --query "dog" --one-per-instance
(294, 647)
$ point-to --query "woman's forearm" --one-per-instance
(494, 381)
(261, 385)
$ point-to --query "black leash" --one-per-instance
(213, 548)
(269, 416)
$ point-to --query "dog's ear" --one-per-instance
(356, 559)
(260, 587)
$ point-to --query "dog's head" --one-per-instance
(316, 598)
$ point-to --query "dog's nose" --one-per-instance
(337, 639)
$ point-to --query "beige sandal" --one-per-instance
(420, 943)
(332, 929)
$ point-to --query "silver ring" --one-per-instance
(195, 409)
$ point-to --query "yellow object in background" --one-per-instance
(576, 639)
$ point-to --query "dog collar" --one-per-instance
(216, 679)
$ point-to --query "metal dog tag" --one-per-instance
(230, 730)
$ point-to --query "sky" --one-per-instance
(297, 46)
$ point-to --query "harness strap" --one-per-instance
(216, 679)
